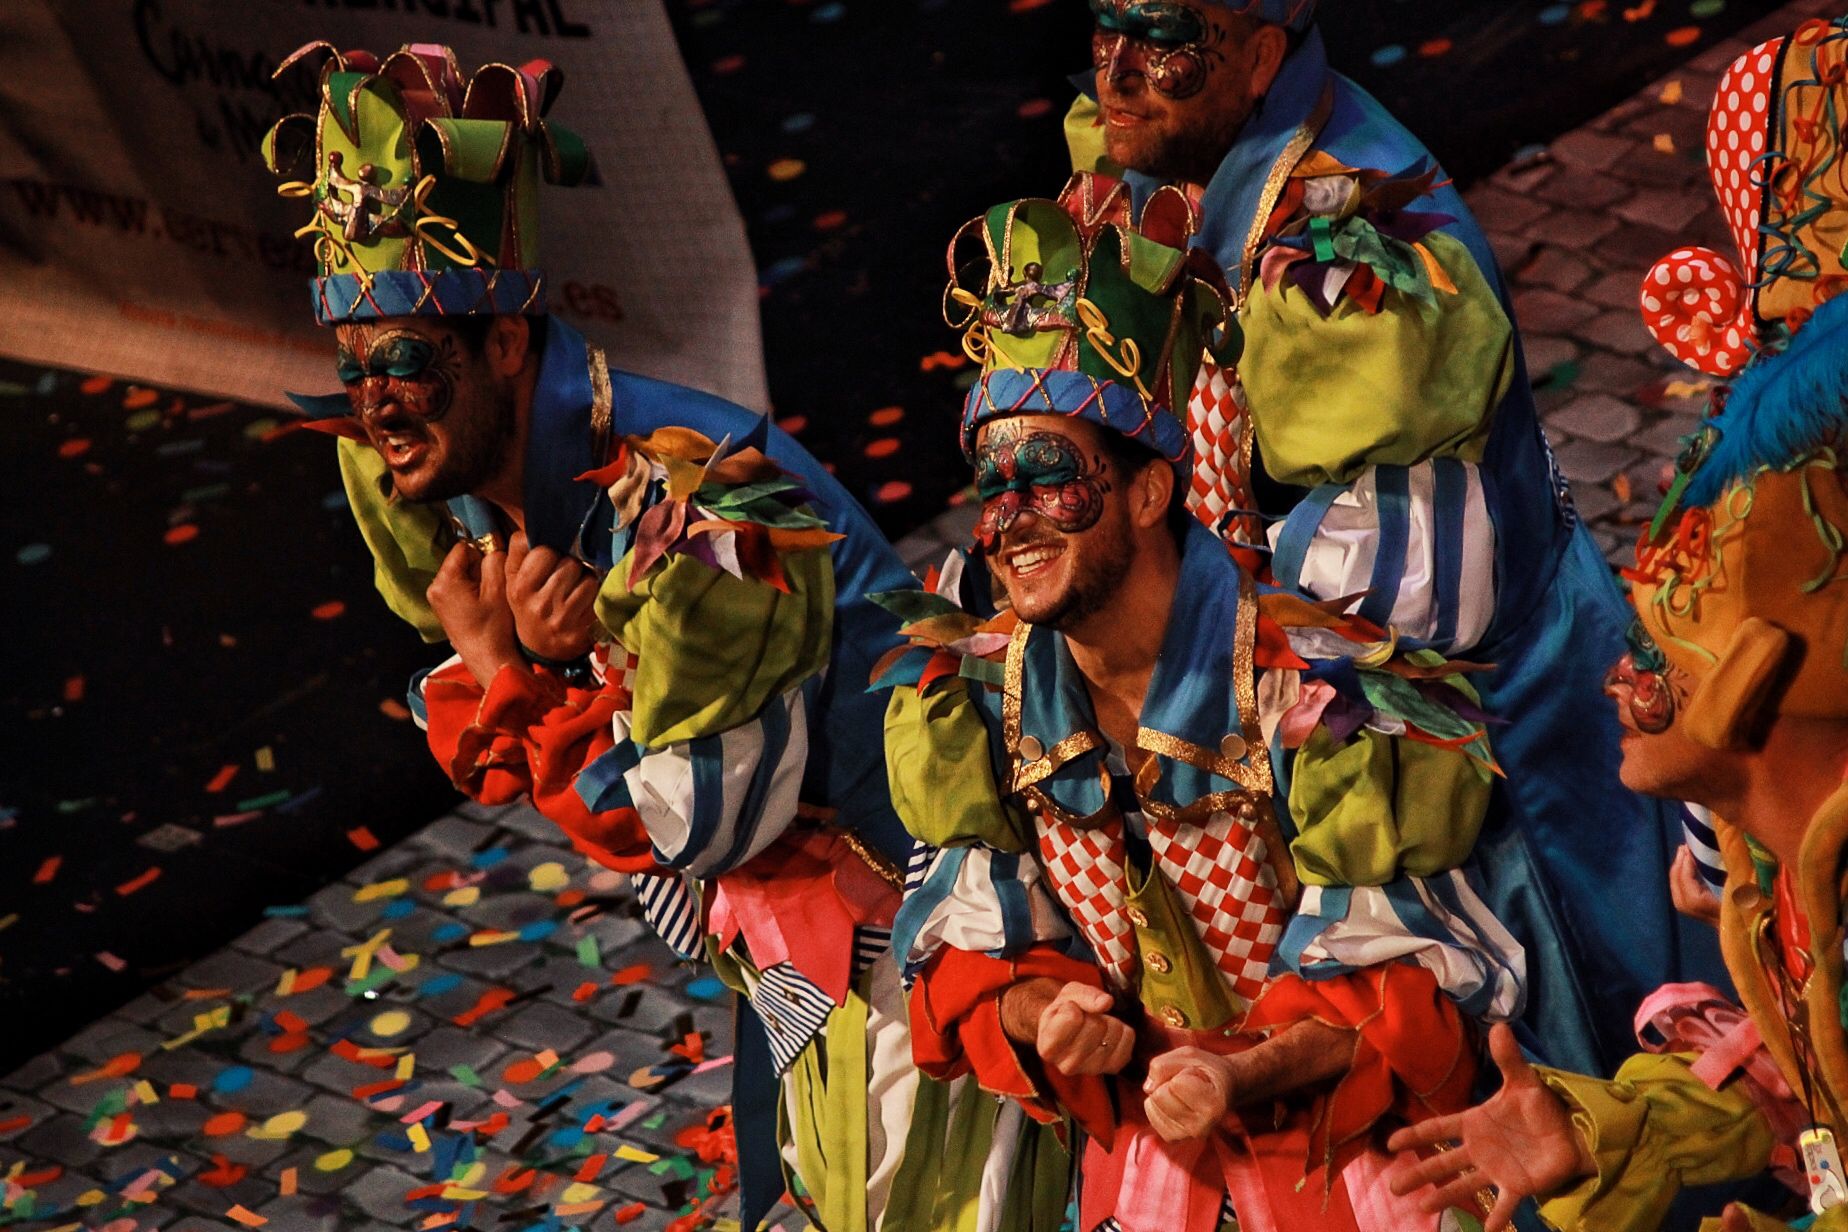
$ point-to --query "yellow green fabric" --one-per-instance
(1084, 139)
(1192, 983)
(828, 1085)
(1653, 1129)
(943, 786)
(714, 648)
(408, 542)
(1377, 807)
(939, 1183)
(1331, 396)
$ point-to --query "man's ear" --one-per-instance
(1270, 46)
(1733, 701)
(509, 345)
(1154, 489)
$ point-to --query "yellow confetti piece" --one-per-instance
(333, 1161)
(1664, 144)
(546, 1059)
(1671, 93)
(211, 1020)
(577, 1208)
(636, 1155)
(382, 889)
(467, 896)
(285, 984)
(492, 937)
(280, 1126)
(455, 1193)
(785, 169)
(144, 1091)
(1686, 389)
(580, 1191)
(391, 1022)
(419, 1136)
(548, 877)
(471, 1175)
(407, 1065)
(362, 954)
(266, 759)
(90, 1197)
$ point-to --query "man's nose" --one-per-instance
(1621, 677)
(371, 397)
(1118, 63)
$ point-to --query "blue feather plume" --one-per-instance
(1782, 406)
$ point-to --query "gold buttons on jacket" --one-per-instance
(1158, 962)
(1138, 917)
(1172, 1015)
(1232, 747)
(1031, 749)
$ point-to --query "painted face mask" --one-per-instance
(401, 367)
(1039, 471)
(1640, 681)
(1167, 43)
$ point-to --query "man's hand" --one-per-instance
(1071, 1027)
(1187, 1093)
(1689, 890)
(469, 597)
(1522, 1141)
(553, 598)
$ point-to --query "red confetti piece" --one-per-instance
(372, 1089)
(1033, 108)
(1026, 6)
(95, 385)
(185, 532)
(246, 1216)
(514, 1179)
(886, 416)
(584, 992)
(631, 975)
(362, 838)
(223, 1174)
(884, 447)
(44, 1176)
(331, 610)
(392, 708)
(942, 359)
(223, 778)
(587, 1172)
(830, 219)
(631, 1213)
(494, 999)
(75, 447)
(223, 1125)
(569, 898)
(1683, 37)
(12, 1123)
(47, 870)
(307, 981)
(727, 64)
(293, 1041)
(895, 490)
(73, 689)
(793, 424)
(1435, 47)
(347, 1050)
(526, 1069)
(138, 883)
(137, 397)
(182, 1090)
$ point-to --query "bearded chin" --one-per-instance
(1094, 583)
(476, 453)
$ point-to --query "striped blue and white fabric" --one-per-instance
(980, 900)
(711, 804)
(1697, 830)
(1417, 538)
(792, 1008)
(670, 904)
(1440, 923)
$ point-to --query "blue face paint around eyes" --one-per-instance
(402, 355)
(1154, 21)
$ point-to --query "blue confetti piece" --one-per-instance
(489, 858)
(783, 269)
(47, 383)
(707, 988)
(33, 553)
(234, 1078)
(335, 500)
(828, 13)
(1554, 14)
(437, 985)
(451, 931)
(294, 910)
(397, 909)
(567, 1137)
(800, 122)
(538, 930)
(1388, 55)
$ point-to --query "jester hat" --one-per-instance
(425, 188)
(1072, 309)
(1775, 155)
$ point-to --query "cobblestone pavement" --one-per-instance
(475, 1029)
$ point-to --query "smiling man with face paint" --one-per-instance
(1204, 894)
(657, 604)
(1375, 432)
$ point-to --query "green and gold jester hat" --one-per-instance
(1741, 580)
(425, 188)
(1073, 309)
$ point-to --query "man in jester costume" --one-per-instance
(1374, 431)
(1735, 695)
(656, 603)
(1201, 889)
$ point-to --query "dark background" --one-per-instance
(184, 589)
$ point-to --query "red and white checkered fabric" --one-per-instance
(1086, 868)
(1222, 872)
(1217, 420)
(611, 664)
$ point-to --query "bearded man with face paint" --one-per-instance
(1376, 433)
(1734, 694)
(657, 604)
(1202, 895)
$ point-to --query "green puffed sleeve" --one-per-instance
(1378, 807)
(1084, 138)
(713, 649)
(1331, 396)
(1652, 1130)
(408, 542)
(938, 765)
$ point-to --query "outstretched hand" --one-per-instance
(1522, 1142)
(469, 597)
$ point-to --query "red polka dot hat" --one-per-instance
(1774, 152)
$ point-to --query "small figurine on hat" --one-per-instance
(1735, 695)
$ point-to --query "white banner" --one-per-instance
(141, 235)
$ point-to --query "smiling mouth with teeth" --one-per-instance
(1029, 560)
